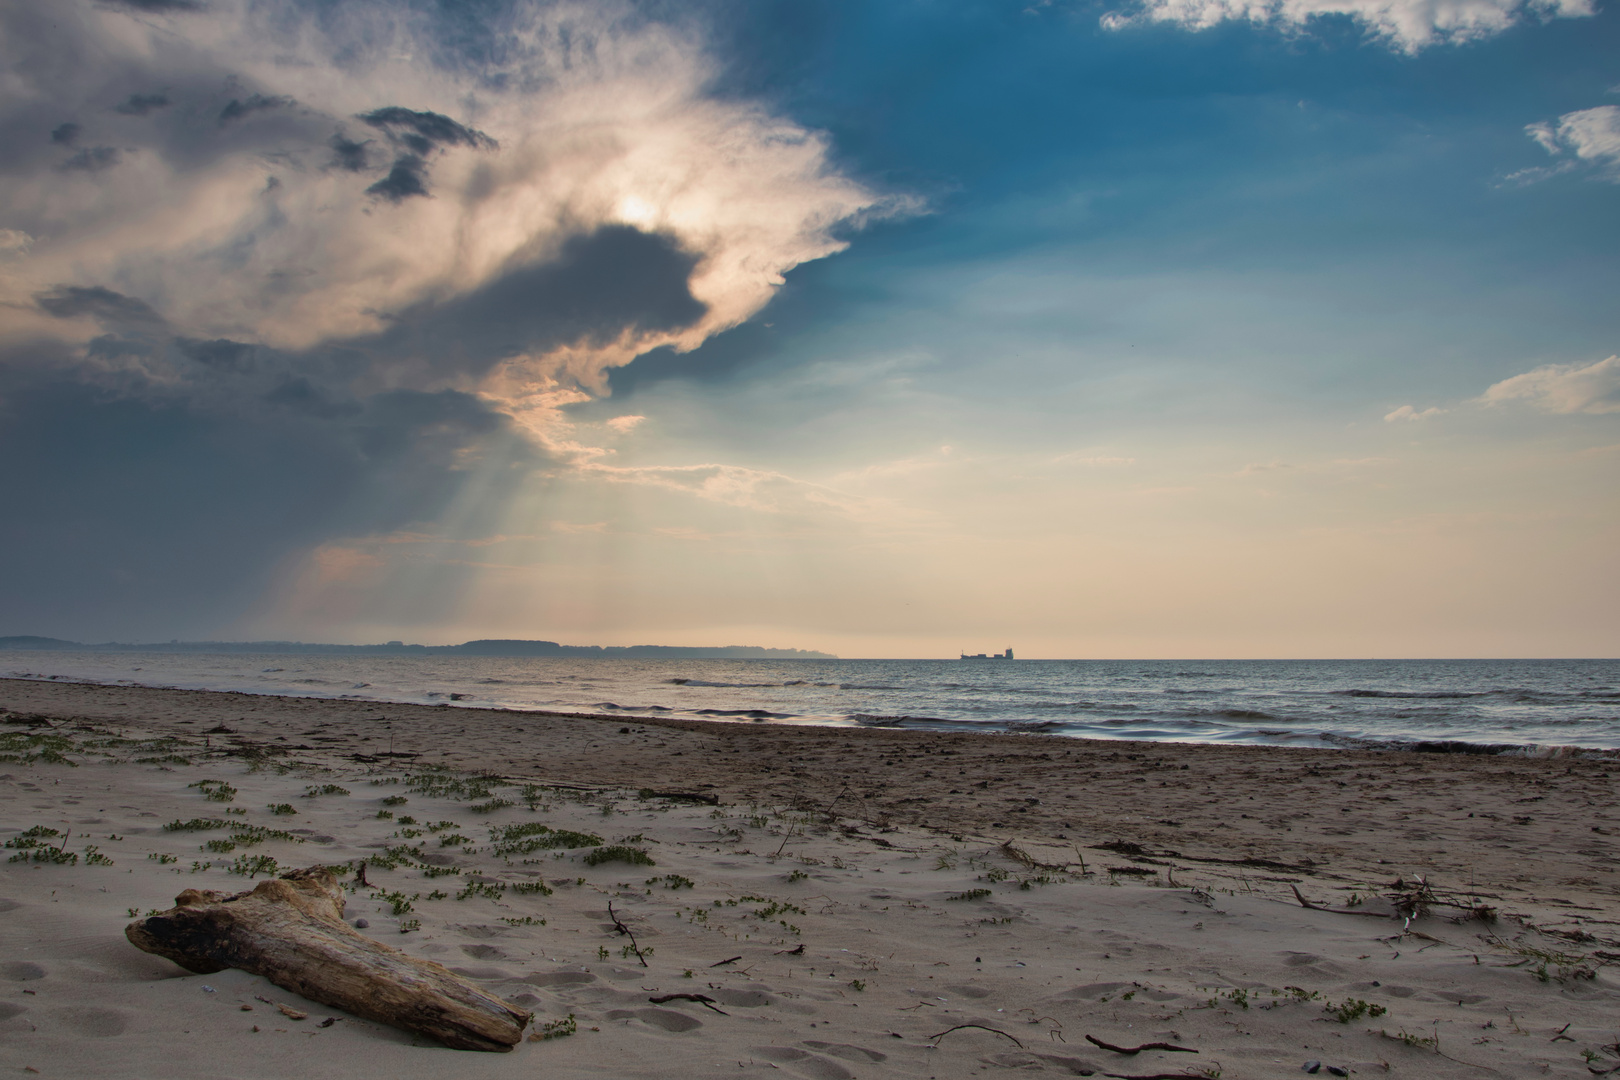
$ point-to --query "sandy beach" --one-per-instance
(846, 899)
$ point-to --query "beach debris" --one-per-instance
(981, 1027)
(624, 931)
(702, 999)
(1094, 1041)
(702, 797)
(290, 930)
(291, 1013)
(723, 963)
(1312, 1067)
(796, 951)
(329, 1021)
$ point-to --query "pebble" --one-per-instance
(361, 924)
(1313, 1067)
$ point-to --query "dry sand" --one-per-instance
(1116, 937)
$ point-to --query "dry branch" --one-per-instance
(1094, 1041)
(702, 999)
(981, 1027)
(291, 931)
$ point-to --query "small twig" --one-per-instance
(919, 1005)
(828, 812)
(723, 963)
(783, 844)
(702, 999)
(1094, 1041)
(618, 925)
(791, 952)
(981, 1027)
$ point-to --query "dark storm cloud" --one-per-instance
(156, 7)
(424, 131)
(602, 283)
(349, 155)
(141, 104)
(151, 520)
(112, 308)
(66, 134)
(93, 159)
(237, 108)
(419, 134)
(403, 181)
(220, 353)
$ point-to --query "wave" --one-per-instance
(752, 714)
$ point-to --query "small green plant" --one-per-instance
(452, 840)
(395, 800)
(219, 847)
(254, 866)
(602, 953)
(558, 1029)
(385, 815)
(1353, 1009)
(1414, 1040)
(527, 920)
(491, 806)
(531, 888)
(317, 790)
(215, 790)
(857, 984)
(491, 889)
(797, 875)
(672, 881)
(440, 871)
(398, 902)
(282, 809)
(970, 894)
(408, 925)
(618, 853)
(438, 894)
(163, 860)
(532, 836)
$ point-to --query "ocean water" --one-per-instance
(1472, 705)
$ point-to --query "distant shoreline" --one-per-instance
(513, 648)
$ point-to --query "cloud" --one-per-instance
(1408, 412)
(66, 134)
(1592, 136)
(1563, 388)
(1406, 25)
(437, 254)
(237, 108)
(142, 104)
(624, 424)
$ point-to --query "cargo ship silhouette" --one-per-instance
(988, 656)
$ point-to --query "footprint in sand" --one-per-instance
(846, 1051)
(21, 971)
(666, 1019)
(8, 1010)
(8, 905)
(97, 1023)
(803, 1062)
(559, 978)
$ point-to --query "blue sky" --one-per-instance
(1170, 330)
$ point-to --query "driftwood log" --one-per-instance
(291, 931)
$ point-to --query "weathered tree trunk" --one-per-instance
(291, 931)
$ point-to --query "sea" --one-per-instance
(1469, 706)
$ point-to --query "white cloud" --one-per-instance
(1564, 388)
(1591, 135)
(623, 424)
(1407, 412)
(1407, 25)
(228, 213)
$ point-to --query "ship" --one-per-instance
(1008, 655)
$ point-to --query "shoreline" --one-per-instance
(1544, 832)
(851, 902)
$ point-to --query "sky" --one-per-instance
(1128, 328)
